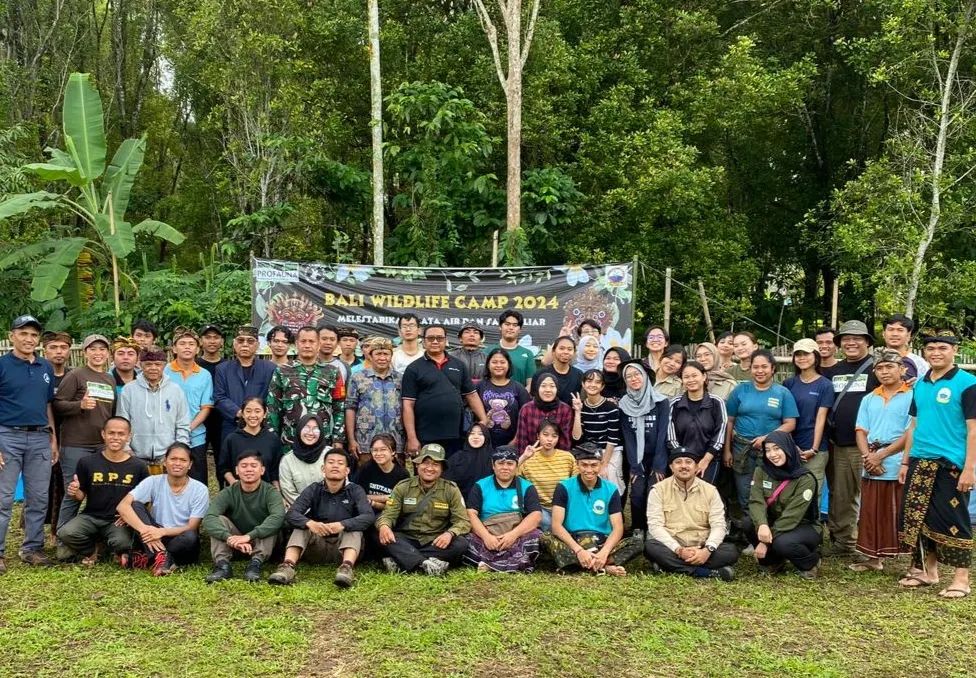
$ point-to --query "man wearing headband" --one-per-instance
(125, 358)
(686, 523)
(240, 378)
(423, 525)
(157, 409)
(938, 469)
(588, 521)
(505, 514)
(373, 404)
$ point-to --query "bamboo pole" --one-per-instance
(708, 316)
(833, 303)
(667, 300)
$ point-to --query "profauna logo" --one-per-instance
(943, 396)
(599, 507)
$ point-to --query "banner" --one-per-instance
(553, 300)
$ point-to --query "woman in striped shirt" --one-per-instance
(597, 420)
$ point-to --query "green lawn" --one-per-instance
(105, 622)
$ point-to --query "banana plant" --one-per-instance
(96, 195)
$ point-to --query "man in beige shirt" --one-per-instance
(686, 524)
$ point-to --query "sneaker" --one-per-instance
(139, 561)
(252, 573)
(392, 566)
(344, 576)
(37, 558)
(221, 572)
(810, 574)
(3, 565)
(435, 567)
(163, 565)
(64, 553)
(749, 550)
(724, 573)
(284, 575)
(654, 568)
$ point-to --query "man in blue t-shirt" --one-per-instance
(166, 512)
(587, 520)
(938, 468)
(28, 444)
(197, 386)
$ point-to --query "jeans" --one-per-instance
(70, 456)
(27, 453)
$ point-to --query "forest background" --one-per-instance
(767, 147)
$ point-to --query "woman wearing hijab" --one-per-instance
(720, 383)
(588, 354)
(614, 387)
(303, 466)
(505, 514)
(644, 426)
(473, 462)
(784, 516)
(545, 404)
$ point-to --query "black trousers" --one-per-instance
(408, 553)
(640, 487)
(198, 470)
(800, 546)
(184, 548)
(656, 552)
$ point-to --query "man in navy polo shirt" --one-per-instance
(938, 468)
(28, 444)
(435, 388)
(588, 521)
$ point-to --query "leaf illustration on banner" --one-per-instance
(449, 288)
(261, 307)
(460, 288)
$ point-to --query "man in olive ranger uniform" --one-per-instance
(425, 519)
(307, 387)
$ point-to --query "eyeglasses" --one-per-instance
(440, 337)
(655, 336)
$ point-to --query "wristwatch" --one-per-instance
(711, 549)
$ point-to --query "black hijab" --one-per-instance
(793, 468)
(539, 402)
(308, 453)
(613, 382)
(471, 464)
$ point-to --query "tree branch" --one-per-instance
(492, 33)
(527, 43)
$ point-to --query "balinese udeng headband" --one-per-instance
(125, 342)
(153, 354)
(505, 453)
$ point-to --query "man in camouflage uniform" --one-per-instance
(424, 522)
(307, 387)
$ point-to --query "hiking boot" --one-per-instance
(37, 558)
(435, 567)
(163, 564)
(392, 566)
(344, 576)
(221, 572)
(810, 574)
(724, 573)
(3, 565)
(284, 575)
(749, 550)
(252, 572)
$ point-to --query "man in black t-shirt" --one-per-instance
(212, 347)
(102, 481)
(844, 466)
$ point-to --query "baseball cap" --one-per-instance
(211, 328)
(26, 321)
(471, 326)
(805, 346)
(431, 451)
(94, 338)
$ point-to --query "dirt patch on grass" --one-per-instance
(330, 653)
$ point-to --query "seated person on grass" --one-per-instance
(686, 523)
(424, 522)
(588, 522)
(165, 512)
(102, 480)
(244, 518)
(505, 514)
(328, 518)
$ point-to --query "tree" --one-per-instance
(376, 125)
(97, 196)
(516, 54)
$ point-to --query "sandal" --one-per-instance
(919, 582)
(864, 567)
(616, 571)
(954, 593)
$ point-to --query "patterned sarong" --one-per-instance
(520, 557)
(935, 515)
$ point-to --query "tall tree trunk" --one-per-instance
(947, 85)
(376, 101)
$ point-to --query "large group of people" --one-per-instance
(424, 458)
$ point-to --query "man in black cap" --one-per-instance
(470, 352)
(28, 444)
(686, 523)
(240, 378)
(588, 522)
(853, 379)
(212, 355)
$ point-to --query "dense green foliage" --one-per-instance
(766, 148)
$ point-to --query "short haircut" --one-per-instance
(249, 454)
(724, 335)
(305, 329)
(563, 338)
(385, 438)
(511, 313)
(178, 446)
(335, 451)
(589, 322)
(327, 326)
(117, 417)
(667, 335)
(900, 319)
(254, 399)
(695, 365)
(145, 326)
(824, 330)
(289, 337)
(675, 349)
(408, 316)
(502, 352)
(550, 424)
(763, 353)
(435, 326)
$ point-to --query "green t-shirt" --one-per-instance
(523, 362)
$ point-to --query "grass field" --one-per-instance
(106, 622)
